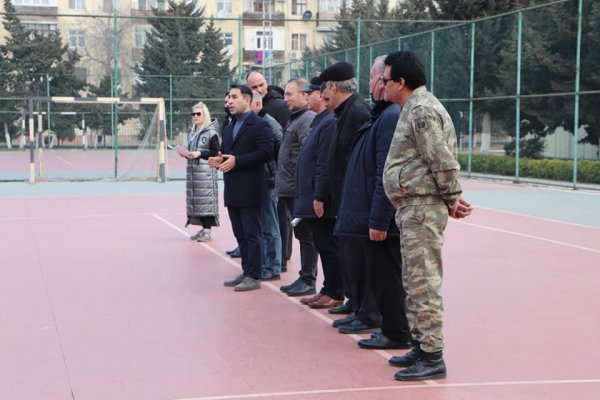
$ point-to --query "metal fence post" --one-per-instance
(170, 106)
(577, 86)
(518, 96)
(471, 92)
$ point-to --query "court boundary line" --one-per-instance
(399, 387)
(518, 214)
(525, 235)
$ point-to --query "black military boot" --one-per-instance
(428, 366)
(407, 359)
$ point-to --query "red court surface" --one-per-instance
(104, 297)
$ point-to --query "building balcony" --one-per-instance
(257, 57)
(250, 18)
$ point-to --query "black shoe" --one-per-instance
(357, 326)
(230, 252)
(381, 342)
(428, 366)
(343, 309)
(344, 321)
(407, 359)
(270, 277)
(235, 253)
(286, 288)
(284, 268)
(302, 289)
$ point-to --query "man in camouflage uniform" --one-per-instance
(420, 178)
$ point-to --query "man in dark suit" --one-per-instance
(247, 145)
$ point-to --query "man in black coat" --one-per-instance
(275, 106)
(351, 113)
(247, 145)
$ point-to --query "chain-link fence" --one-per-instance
(515, 85)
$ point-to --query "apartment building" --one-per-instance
(256, 33)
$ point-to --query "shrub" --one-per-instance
(588, 171)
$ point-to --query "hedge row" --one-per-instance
(588, 171)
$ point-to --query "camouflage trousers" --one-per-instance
(421, 239)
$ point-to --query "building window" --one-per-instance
(150, 4)
(37, 3)
(224, 8)
(141, 33)
(264, 40)
(76, 39)
(76, 4)
(227, 39)
(298, 7)
(108, 5)
(330, 6)
(258, 5)
(298, 41)
(40, 28)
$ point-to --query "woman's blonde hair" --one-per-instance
(200, 106)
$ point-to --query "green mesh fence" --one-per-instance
(515, 85)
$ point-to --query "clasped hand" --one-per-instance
(222, 162)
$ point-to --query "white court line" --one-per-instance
(65, 161)
(537, 217)
(399, 387)
(530, 236)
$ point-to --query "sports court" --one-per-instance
(105, 297)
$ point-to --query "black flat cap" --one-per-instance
(340, 71)
(315, 84)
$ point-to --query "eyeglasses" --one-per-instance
(385, 80)
(196, 114)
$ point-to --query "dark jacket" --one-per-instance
(271, 166)
(351, 115)
(246, 184)
(364, 202)
(294, 136)
(311, 178)
(274, 105)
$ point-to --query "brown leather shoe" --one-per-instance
(325, 302)
(307, 300)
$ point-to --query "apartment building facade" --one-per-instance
(256, 33)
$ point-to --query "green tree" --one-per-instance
(214, 70)
(172, 55)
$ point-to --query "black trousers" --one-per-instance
(327, 247)
(308, 252)
(247, 229)
(384, 270)
(285, 229)
(356, 281)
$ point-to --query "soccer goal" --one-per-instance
(93, 138)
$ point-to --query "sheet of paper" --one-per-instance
(182, 151)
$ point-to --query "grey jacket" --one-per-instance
(201, 180)
(294, 137)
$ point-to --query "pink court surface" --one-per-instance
(105, 297)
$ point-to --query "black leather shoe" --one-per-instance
(270, 277)
(357, 326)
(235, 253)
(344, 321)
(286, 288)
(230, 252)
(428, 366)
(380, 341)
(302, 289)
(407, 359)
(343, 309)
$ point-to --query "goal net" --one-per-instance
(95, 138)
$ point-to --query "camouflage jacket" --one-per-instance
(421, 166)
